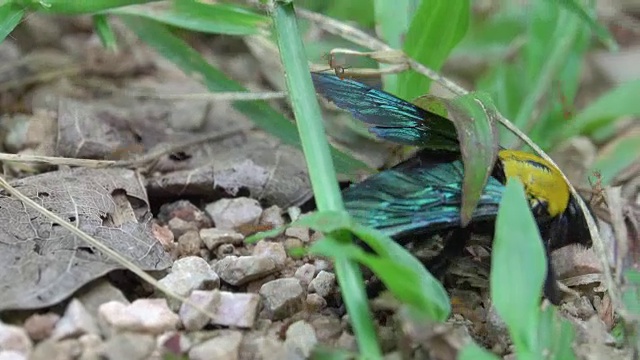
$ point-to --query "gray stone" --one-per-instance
(189, 243)
(328, 328)
(236, 270)
(228, 309)
(224, 346)
(233, 213)
(305, 274)
(75, 322)
(53, 349)
(214, 237)
(297, 232)
(323, 284)
(315, 302)
(14, 338)
(40, 326)
(282, 297)
(130, 345)
(179, 227)
(188, 274)
(271, 250)
(92, 347)
(272, 216)
(12, 355)
(300, 340)
(151, 316)
(98, 293)
(292, 243)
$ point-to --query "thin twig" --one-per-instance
(133, 163)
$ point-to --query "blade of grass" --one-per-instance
(564, 36)
(211, 18)
(76, 7)
(191, 62)
(104, 31)
(518, 269)
(323, 176)
(10, 17)
(436, 28)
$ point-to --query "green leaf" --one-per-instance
(620, 101)
(436, 28)
(518, 268)
(104, 31)
(212, 18)
(191, 62)
(556, 336)
(392, 22)
(474, 352)
(76, 7)
(603, 34)
(392, 263)
(617, 156)
(474, 116)
(10, 17)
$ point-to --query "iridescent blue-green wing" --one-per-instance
(417, 199)
(393, 119)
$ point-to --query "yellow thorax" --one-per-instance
(543, 183)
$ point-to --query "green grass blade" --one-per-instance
(76, 7)
(436, 28)
(517, 269)
(191, 62)
(321, 171)
(620, 101)
(104, 31)
(603, 34)
(10, 17)
(392, 22)
(211, 18)
(617, 156)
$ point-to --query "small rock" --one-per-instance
(179, 227)
(185, 210)
(229, 309)
(91, 347)
(129, 345)
(260, 347)
(164, 235)
(224, 346)
(323, 283)
(236, 270)
(145, 315)
(188, 274)
(52, 349)
(292, 243)
(76, 321)
(40, 326)
(575, 260)
(225, 250)
(14, 338)
(12, 355)
(300, 340)
(173, 342)
(97, 293)
(189, 244)
(328, 328)
(322, 264)
(305, 274)
(315, 303)
(272, 216)
(282, 297)
(234, 213)
(272, 250)
(347, 342)
(297, 232)
(214, 237)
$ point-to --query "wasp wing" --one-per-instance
(393, 119)
(417, 197)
